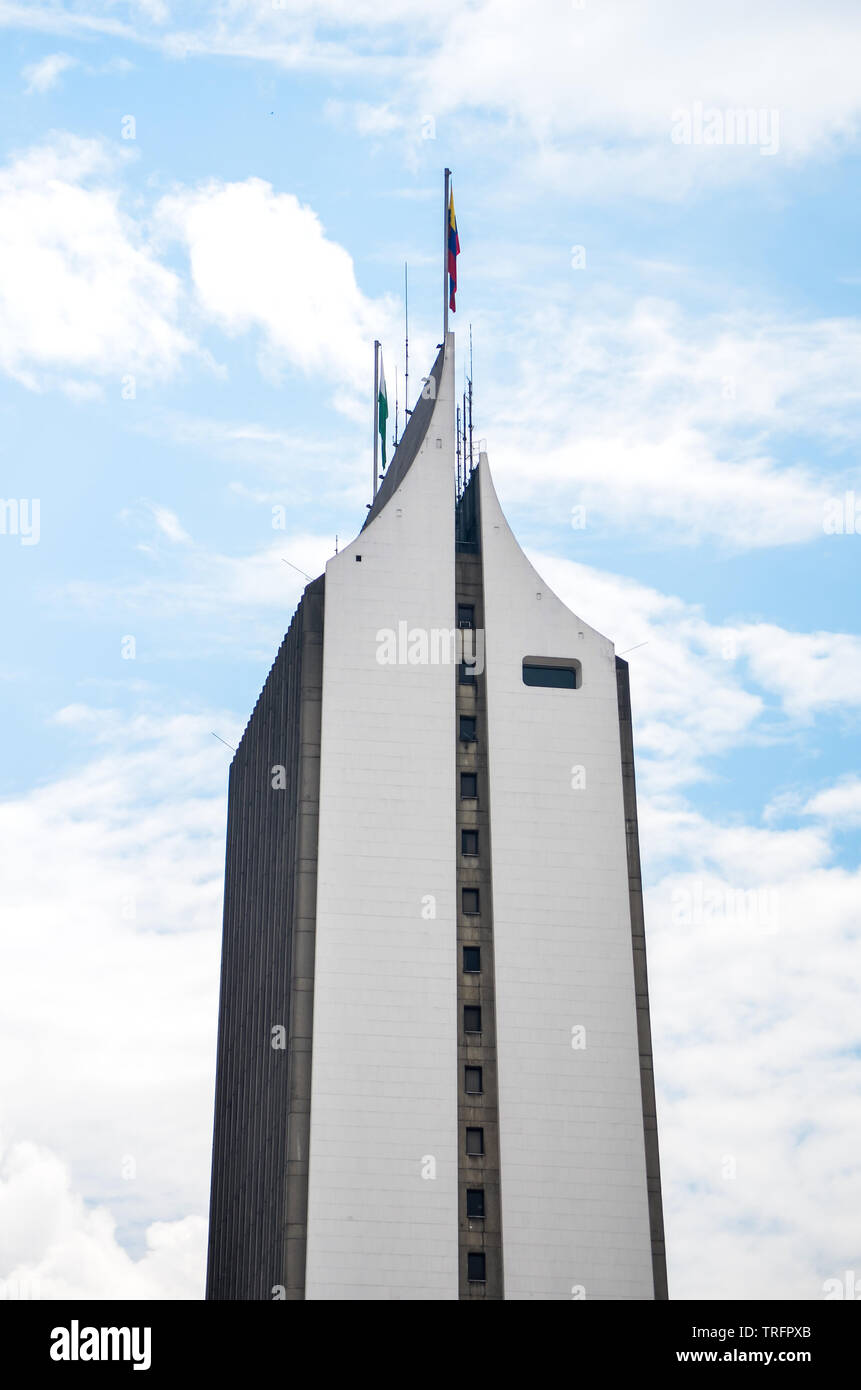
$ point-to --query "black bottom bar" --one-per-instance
(227, 1339)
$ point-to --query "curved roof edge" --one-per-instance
(493, 515)
(410, 442)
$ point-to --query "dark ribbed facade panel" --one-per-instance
(262, 1103)
(478, 1235)
(641, 984)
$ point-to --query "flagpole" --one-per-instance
(376, 412)
(445, 258)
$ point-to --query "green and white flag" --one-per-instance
(382, 410)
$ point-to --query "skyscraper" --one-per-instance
(434, 1058)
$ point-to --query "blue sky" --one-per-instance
(186, 321)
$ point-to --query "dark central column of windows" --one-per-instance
(479, 1208)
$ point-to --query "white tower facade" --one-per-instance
(446, 910)
(384, 1065)
(574, 1190)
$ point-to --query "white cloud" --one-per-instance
(81, 391)
(840, 804)
(156, 10)
(110, 1057)
(365, 117)
(80, 290)
(261, 260)
(93, 17)
(84, 298)
(232, 589)
(169, 524)
(662, 424)
(115, 64)
(810, 672)
(47, 72)
(524, 63)
(250, 440)
(757, 1047)
(502, 61)
(748, 855)
(54, 1245)
(700, 688)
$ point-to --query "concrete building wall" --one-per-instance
(262, 1093)
(641, 983)
(384, 1066)
(575, 1211)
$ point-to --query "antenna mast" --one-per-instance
(407, 410)
(470, 399)
(459, 488)
(396, 406)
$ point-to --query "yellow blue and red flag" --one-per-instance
(453, 251)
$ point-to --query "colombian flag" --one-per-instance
(453, 251)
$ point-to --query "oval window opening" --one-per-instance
(554, 674)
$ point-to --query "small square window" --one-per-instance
(469, 785)
(475, 1142)
(471, 1018)
(466, 615)
(473, 1084)
(466, 674)
(358, 559)
(475, 1202)
(469, 901)
(475, 1267)
(469, 842)
(472, 960)
(467, 728)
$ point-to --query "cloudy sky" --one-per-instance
(204, 213)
